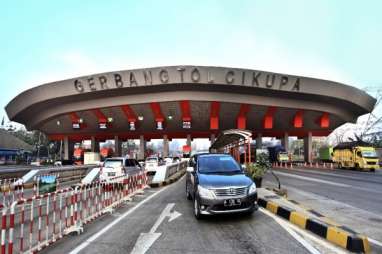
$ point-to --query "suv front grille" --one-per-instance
(231, 192)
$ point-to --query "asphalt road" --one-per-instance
(258, 233)
(359, 189)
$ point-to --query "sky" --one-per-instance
(45, 41)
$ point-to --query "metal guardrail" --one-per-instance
(13, 188)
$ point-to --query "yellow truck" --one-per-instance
(358, 157)
(282, 157)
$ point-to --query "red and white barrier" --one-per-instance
(38, 221)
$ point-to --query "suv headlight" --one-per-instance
(252, 188)
(205, 193)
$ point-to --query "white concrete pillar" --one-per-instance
(285, 141)
(142, 147)
(189, 140)
(66, 148)
(94, 145)
(259, 141)
(308, 147)
(117, 146)
(212, 138)
(166, 146)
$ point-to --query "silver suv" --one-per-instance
(119, 166)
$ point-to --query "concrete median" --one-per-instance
(168, 174)
(338, 235)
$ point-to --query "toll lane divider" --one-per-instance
(316, 165)
(31, 224)
(337, 235)
(170, 180)
(170, 174)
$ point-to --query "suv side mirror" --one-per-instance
(190, 169)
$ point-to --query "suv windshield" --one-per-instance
(113, 163)
(217, 164)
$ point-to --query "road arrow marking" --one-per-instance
(146, 240)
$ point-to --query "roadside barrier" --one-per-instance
(340, 236)
(31, 224)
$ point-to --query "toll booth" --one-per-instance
(236, 142)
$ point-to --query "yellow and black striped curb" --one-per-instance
(341, 236)
(168, 181)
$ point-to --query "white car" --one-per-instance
(168, 160)
(152, 163)
(118, 166)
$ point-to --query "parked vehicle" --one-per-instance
(168, 160)
(326, 153)
(217, 184)
(118, 166)
(379, 153)
(282, 157)
(152, 163)
(274, 153)
(347, 155)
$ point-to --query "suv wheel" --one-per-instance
(197, 209)
(188, 195)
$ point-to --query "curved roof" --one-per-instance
(38, 106)
(228, 137)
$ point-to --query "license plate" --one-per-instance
(232, 202)
(111, 174)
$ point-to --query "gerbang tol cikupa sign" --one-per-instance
(187, 75)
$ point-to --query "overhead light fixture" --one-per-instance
(140, 118)
(80, 120)
(110, 119)
(58, 123)
(170, 117)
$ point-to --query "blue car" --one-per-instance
(218, 185)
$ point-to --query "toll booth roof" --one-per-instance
(229, 137)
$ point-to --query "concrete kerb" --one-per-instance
(338, 235)
(170, 180)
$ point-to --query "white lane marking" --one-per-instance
(343, 176)
(165, 213)
(292, 229)
(301, 240)
(146, 240)
(327, 182)
(375, 242)
(313, 179)
(105, 229)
